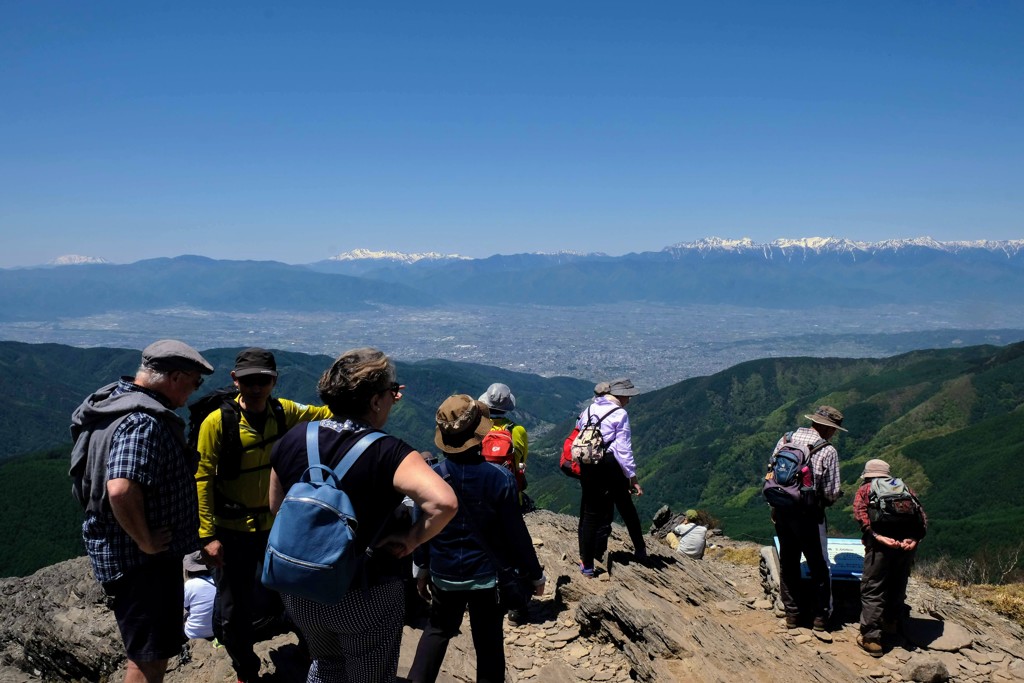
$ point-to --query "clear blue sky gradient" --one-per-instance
(297, 131)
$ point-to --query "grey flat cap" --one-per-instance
(622, 386)
(171, 354)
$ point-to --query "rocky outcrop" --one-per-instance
(670, 619)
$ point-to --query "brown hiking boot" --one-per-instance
(820, 624)
(792, 621)
(870, 645)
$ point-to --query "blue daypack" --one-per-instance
(789, 482)
(312, 551)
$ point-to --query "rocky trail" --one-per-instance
(671, 619)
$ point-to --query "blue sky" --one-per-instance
(295, 131)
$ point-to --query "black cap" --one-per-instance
(255, 361)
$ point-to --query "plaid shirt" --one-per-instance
(145, 450)
(824, 463)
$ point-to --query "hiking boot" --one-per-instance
(870, 645)
(517, 616)
(792, 621)
(820, 624)
(587, 571)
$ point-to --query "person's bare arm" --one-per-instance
(434, 497)
(128, 504)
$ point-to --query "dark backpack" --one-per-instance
(893, 510)
(497, 447)
(789, 482)
(312, 550)
(589, 447)
(229, 462)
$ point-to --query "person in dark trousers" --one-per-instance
(455, 570)
(888, 557)
(136, 485)
(803, 530)
(612, 482)
(234, 506)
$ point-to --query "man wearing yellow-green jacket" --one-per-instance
(233, 481)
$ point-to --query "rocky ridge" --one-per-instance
(671, 619)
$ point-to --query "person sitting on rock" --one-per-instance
(692, 536)
(200, 592)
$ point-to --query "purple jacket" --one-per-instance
(614, 430)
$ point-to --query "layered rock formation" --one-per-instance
(673, 619)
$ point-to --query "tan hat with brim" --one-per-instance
(875, 468)
(462, 423)
(828, 416)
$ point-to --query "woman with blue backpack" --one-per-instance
(358, 636)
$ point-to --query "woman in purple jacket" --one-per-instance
(611, 481)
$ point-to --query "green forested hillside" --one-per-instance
(45, 382)
(951, 422)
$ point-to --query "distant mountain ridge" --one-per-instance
(839, 245)
(784, 274)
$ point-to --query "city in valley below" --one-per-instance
(655, 344)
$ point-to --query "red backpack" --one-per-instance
(497, 447)
(569, 467)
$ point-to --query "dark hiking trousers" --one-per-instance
(803, 532)
(241, 598)
(623, 498)
(447, 609)
(605, 487)
(883, 587)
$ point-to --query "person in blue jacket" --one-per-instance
(454, 570)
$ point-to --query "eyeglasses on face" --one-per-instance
(197, 378)
(396, 390)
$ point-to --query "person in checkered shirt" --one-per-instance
(134, 475)
(803, 530)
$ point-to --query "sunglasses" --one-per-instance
(256, 380)
(396, 390)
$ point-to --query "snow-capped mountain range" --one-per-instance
(845, 246)
(75, 260)
(396, 256)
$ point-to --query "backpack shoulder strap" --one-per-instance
(229, 425)
(353, 453)
(817, 446)
(278, 410)
(602, 418)
(349, 459)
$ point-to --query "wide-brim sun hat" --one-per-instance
(193, 562)
(498, 397)
(875, 468)
(462, 423)
(828, 416)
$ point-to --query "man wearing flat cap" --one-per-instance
(233, 482)
(802, 529)
(133, 474)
